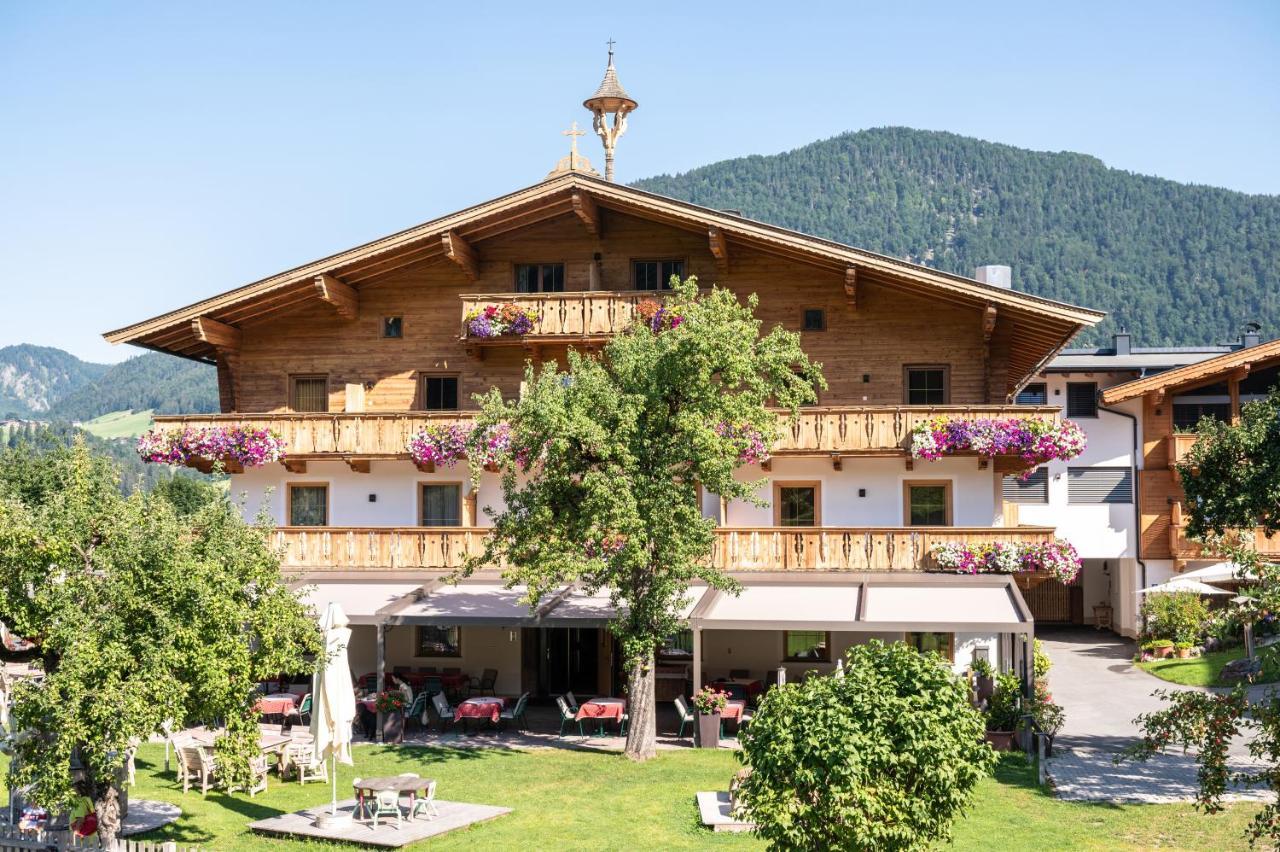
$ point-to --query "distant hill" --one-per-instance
(1178, 264)
(34, 378)
(43, 383)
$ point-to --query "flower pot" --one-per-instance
(1163, 652)
(985, 686)
(708, 730)
(393, 727)
(1184, 653)
(1001, 740)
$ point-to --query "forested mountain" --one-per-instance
(34, 378)
(43, 383)
(1176, 263)
(163, 383)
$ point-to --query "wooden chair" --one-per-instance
(259, 767)
(195, 765)
(302, 762)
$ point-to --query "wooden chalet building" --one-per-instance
(349, 356)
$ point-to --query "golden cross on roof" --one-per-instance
(573, 133)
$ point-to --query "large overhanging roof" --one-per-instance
(1214, 369)
(1040, 326)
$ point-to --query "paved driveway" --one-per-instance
(1102, 692)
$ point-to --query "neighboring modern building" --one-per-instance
(1123, 483)
(350, 356)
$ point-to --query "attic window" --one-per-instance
(393, 327)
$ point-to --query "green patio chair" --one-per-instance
(567, 716)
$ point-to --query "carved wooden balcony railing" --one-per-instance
(318, 549)
(872, 430)
(567, 315)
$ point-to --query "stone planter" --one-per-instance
(708, 730)
(1001, 740)
(393, 727)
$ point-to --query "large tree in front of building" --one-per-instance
(606, 464)
(1231, 477)
(142, 617)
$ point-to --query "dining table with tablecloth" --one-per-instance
(733, 711)
(480, 707)
(602, 710)
(276, 704)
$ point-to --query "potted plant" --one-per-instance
(1003, 712)
(391, 705)
(1161, 648)
(984, 680)
(1183, 649)
(1049, 716)
(709, 702)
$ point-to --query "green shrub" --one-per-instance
(1176, 616)
(982, 668)
(1004, 711)
(884, 757)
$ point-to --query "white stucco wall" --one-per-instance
(482, 648)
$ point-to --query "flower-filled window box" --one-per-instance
(1058, 558)
(507, 319)
(237, 445)
(656, 316)
(1034, 441)
(438, 445)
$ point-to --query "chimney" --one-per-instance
(996, 276)
(1121, 342)
(1252, 335)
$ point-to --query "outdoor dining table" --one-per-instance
(733, 711)
(602, 709)
(480, 707)
(276, 704)
(408, 783)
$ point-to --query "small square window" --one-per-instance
(655, 274)
(442, 505)
(308, 505)
(942, 644)
(393, 327)
(439, 393)
(815, 319)
(926, 386)
(797, 505)
(309, 393)
(1033, 394)
(539, 277)
(928, 504)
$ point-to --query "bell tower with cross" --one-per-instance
(575, 162)
(610, 100)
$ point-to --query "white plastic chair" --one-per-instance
(386, 803)
(426, 804)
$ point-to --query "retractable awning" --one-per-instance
(362, 602)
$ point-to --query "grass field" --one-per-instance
(119, 424)
(1203, 670)
(569, 800)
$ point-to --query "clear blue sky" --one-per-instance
(152, 154)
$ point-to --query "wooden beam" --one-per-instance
(719, 249)
(294, 465)
(217, 334)
(588, 211)
(851, 286)
(988, 323)
(460, 252)
(837, 463)
(343, 297)
(358, 465)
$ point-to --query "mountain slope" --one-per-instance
(34, 378)
(164, 383)
(1176, 263)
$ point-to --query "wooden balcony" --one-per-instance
(1184, 548)
(829, 431)
(320, 549)
(562, 317)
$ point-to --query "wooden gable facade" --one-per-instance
(326, 320)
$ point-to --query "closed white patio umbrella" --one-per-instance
(333, 704)
(1181, 584)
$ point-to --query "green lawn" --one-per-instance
(1203, 670)
(568, 800)
(119, 424)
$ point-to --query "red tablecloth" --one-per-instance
(602, 708)
(732, 711)
(485, 707)
(277, 704)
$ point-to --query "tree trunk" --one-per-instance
(108, 808)
(642, 731)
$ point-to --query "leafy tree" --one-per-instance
(141, 617)
(883, 757)
(1231, 478)
(602, 486)
(1231, 475)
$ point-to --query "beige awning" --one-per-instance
(362, 602)
(867, 602)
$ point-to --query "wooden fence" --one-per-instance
(14, 840)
